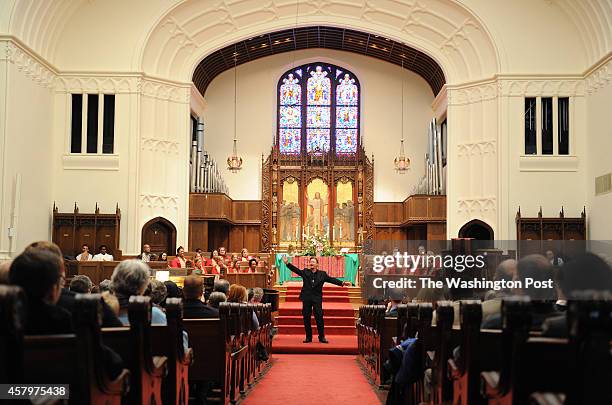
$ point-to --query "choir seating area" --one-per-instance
(468, 365)
(221, 360)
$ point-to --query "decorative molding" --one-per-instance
(599, 77)
(96, 83)
(440, 104)
(534, 86)
(83, 161)
(473, 93)
(160, 145)
(548, 163)
(165, 91)
(480, 204)
(484, 147)
(198, 103)
(28, 63)
(159, 201)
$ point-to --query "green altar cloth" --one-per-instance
(351, 265)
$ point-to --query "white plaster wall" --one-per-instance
(26, 124)
(96, 182)
(599, 149)
(550, 187)
(381, 90)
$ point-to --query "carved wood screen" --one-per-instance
(347, 222)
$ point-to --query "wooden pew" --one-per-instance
(168, 341)
(579, 367)
(212, 347)
(134, 344)
(447, 339)
(74, 359)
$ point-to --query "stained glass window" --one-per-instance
(347, 115)
(318, 109)
(290, 115)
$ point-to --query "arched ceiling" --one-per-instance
(593, 18)
(318, 37)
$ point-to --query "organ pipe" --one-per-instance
(204, 170)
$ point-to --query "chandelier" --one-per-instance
(234, 162)
(402, 163)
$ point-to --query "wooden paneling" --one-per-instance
(424, 208)
(418, 217)
(436, 231)
(387, 213)
(198, 235)
(216, 220)
(72, 230)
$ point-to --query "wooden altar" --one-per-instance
(344, 184)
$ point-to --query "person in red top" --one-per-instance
(234, 267)
(179, 261)
(244, 255)
(252, 266)
(223, 254)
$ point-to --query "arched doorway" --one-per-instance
(476, 229)
(160, 234)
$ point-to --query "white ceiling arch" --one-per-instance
(593, 19)
(446, 31)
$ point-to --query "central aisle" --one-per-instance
(305, 379)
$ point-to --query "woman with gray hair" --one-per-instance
(131, 277)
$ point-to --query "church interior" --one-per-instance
(190, 187)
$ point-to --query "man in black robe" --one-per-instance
(312, 295)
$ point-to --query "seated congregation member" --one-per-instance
(104, 285)
(81, 284)
(223, 255)
(396, 297)
(585, 272)
(199, 262)
(131, 277)
(84, 255)
(173, 290)
(234, 266)
(179, 261)
(238, 294)
(554, 259)
(193, 307)
(215, 299)
(146, 255)
(252, 266)
(256, 295)
(244, 255)
(506, 270)
(103, 256)
(67, 297)
(163, 257)
(4, 272)
(538, 268)
(40, 273)
(157, 291)
(222, 286)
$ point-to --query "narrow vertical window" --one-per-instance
(92, 123)
(76, 129)
(347, 114)
(547, 126)
(318, 114)
(290, 114)
(530, 126)
(563, 125)
(108, 138)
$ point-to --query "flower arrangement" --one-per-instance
(318, 245)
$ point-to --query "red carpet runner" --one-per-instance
(316, 379)
(339, 324)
